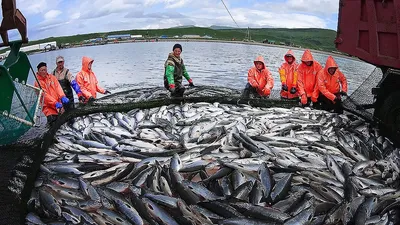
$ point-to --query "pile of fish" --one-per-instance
(159, 93)
(209, 163)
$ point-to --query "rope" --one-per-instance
(229, 13)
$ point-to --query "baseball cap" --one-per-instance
(59, 59)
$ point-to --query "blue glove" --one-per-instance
(58, 105)
(64, 100)
(76, 87)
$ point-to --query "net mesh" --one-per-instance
(14, 124)
(363, 96)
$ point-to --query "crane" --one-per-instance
(19, 101)
(12, 19)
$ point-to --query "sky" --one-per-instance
(48, 18)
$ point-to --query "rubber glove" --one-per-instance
(172, 88)
(267, 91)
(64, 100)
(76, 87)
(304, 100)
(284, 87)
(58, 105)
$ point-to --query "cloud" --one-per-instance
(69, 17)
(156, 15)
(32, 7)
(52, 14)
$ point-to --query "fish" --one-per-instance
(213, 163)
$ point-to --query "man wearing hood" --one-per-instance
(260, 80)
(307, 73)
(288, 75)
(174, 71)
(53, 94)
(332, 84)
(87, 81)
(66, 80)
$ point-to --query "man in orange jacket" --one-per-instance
(288, 75)
(332, 84)
(53, 94)
(260, 80)
(307, 73)
(87, 81)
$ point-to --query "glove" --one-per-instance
(82, 99)
(342, 93)
(64, 100)
(303, 100)
(336, 99)
(293, 90)
(284, 87)
(191, 83)
(267, 91)
(58, 105)
(172, 88)
(91, 99)
(107, 92)
(314, 99)
(76, 87)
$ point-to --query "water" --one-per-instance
(133, 65)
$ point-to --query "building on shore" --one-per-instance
(118, 37)
(137, 36)
(191, 36)
(38, 47)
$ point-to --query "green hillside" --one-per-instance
(319, 39)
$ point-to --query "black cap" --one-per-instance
(177, 46)
(41, 64)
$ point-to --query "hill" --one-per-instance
(319, 39)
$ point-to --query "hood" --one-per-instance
(290, 52)
(330, 63)
(85, 63)
(307, 56)
(260, 59)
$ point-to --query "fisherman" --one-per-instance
(66, 80)
(174, 70)
(87, 81)
(260, 80)
(54, 97)
(332, 84)
(288, 75)
(307, 72)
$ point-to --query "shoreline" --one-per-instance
(208, 40)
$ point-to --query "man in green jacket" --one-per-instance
(174, 71)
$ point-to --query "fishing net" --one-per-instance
(21, 114)
(22, 160)
(363, 96)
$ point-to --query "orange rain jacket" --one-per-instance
(261, 80)
(307, 76)
(52, 93)
(328, 84)
(288, 74)
(87, 80)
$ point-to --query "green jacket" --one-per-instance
(174, 71)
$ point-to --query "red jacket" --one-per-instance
(288, 75)
(307, 76)
(328, 84)
(52, 93)
(261, 80)
(87, 80)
